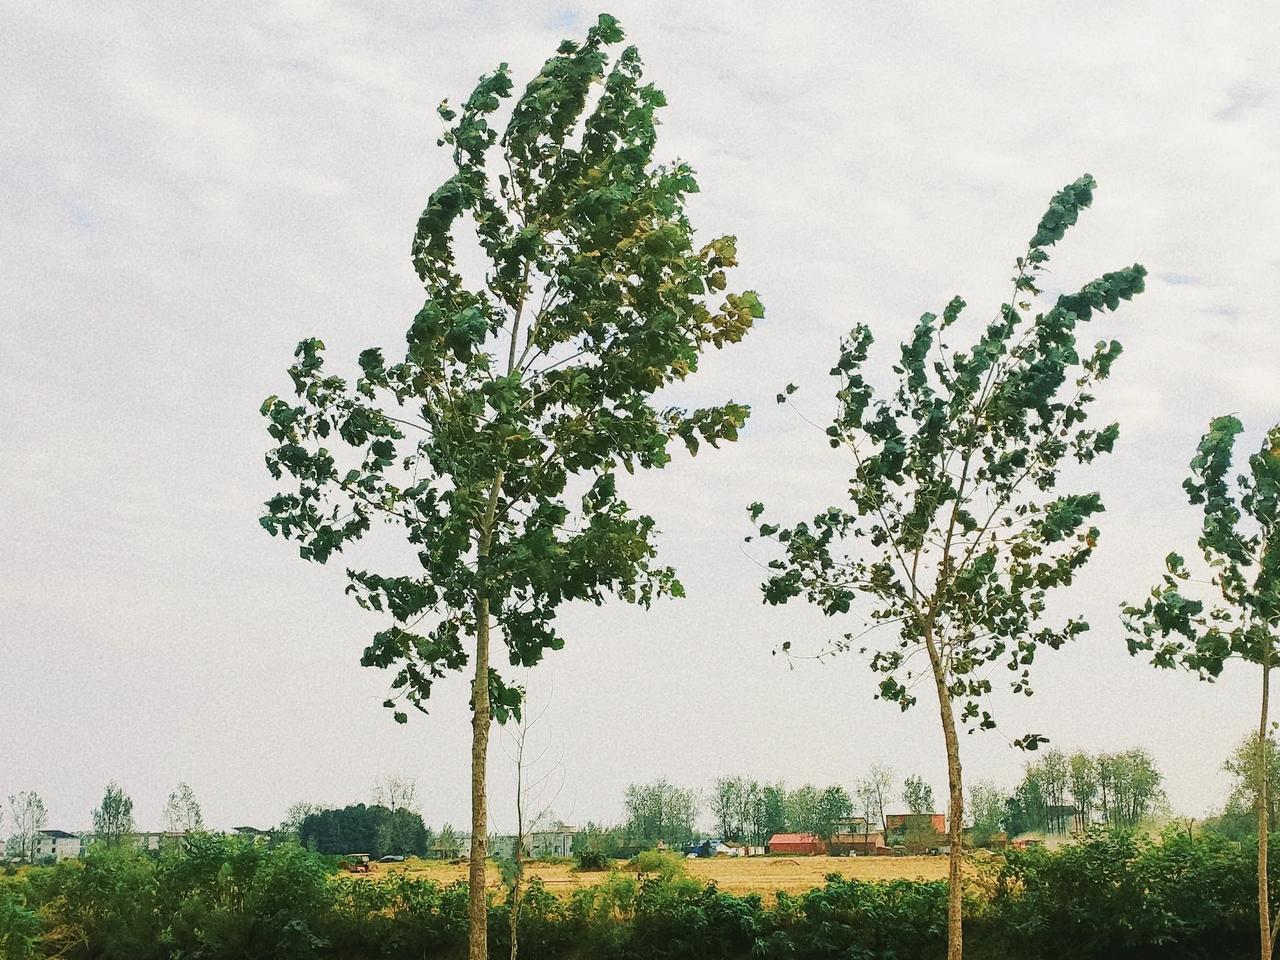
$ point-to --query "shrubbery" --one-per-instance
(1111, 895)
(591, 861)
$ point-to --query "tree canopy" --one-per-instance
(594, 297)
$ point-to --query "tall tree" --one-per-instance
(401, 831)
(1026, 811)
(182, 812)
(294, 816)
(660, 811)
(804, 809)
(769, 812)
(113, 818)
(955, 539)
(917, 795)
(1055, 776)
(539, 779)
(518, 394)
(27, 811)
(834, 805)
(729, 802)
(987, 809)
(879, 785)
(1084, 786)
(1234, 614)
(865, 802)
(1243, 766)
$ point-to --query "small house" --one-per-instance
(863, 843)
(801, 844)
(897, 824)
(557, 841)
(56, 845)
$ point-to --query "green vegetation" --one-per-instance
(493, 443)
(1110, 895)
(1233, 614)
(375, 830)
(1061, 794)
(954, 536)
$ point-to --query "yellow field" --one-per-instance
(764, 875)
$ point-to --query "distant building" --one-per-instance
(897, 824)
(863, 843)
(503, 846)
(555, 842)
(457, 847)
(251, 834)
(156, 841)
(854, 835)
(56, 844)
(803, 844)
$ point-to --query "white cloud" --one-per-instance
(183, 196)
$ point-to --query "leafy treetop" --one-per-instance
(1183, 624)
(594, 297)
(953, 535)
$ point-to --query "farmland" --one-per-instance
(737, 875)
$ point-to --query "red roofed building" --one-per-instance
(805, 844)
(899, 823)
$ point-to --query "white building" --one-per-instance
(556, 842)
(56, 844)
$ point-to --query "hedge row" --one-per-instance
(1111, 895)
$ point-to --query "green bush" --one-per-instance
(591, 861)
(664, 863)
(20, 927)
(1180, 897)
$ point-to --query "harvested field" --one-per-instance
(764, 875)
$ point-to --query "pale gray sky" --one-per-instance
(185, 192)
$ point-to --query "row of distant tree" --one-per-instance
(1058, 793)
(746, 810)
(25, 816)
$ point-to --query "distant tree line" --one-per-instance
(1060, 793)
(747, 811)
(374, 829)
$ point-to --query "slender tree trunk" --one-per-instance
(513, 907)
(1264, 898)
(478, 903)
(513, 904)
(955, 784)
(478, 900)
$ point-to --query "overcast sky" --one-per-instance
(184, 195)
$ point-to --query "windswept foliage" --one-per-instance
(494, 439)
(954, 536)
(1201, 624)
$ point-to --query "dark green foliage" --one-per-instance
(20, 927)
(1111, 895)
(861, 921)
(361, 829)
(498, 430)
(591, 861)
(1121, 895)
(1238, 616)
(953, 537)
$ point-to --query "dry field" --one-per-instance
(764, 875)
